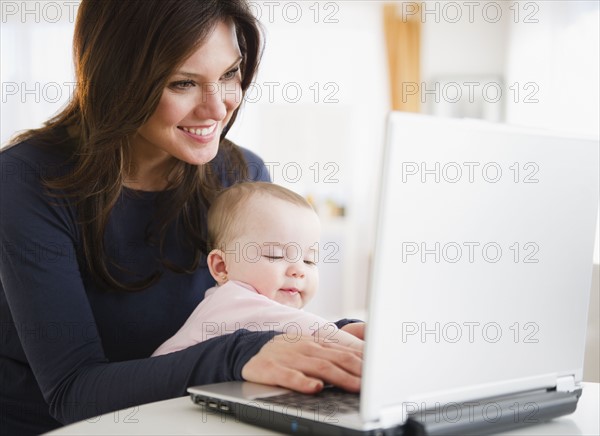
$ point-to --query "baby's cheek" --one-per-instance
(314, 287)
(308, 296)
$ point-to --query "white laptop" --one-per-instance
(479, 288)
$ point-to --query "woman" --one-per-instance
(103, 228)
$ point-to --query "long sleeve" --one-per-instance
(235, 305)
(70, 350)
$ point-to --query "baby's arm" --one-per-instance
(232, 306)
(329, 333)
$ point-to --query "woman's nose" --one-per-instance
(212, 103)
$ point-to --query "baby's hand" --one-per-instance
(355, 329)
(358, 345)
(349, 340)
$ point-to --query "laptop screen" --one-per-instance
(482, 264)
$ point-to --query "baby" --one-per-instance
(265, 239)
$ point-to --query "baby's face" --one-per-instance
(278, 251)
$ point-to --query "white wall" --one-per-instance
(463, 45)
(36, 71)
(560, 54)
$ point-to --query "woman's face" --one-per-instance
(196, 105)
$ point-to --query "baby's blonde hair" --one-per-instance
(228, 208)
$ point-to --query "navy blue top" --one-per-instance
(70, 351)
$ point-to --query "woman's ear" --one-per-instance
(217, 266)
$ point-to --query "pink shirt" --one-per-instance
(236, 305)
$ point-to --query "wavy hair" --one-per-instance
(124, 53)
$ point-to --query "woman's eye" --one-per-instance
(310, 262)
(183, 84)
(231, 74)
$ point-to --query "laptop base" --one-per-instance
(488, 416)
(498, 414)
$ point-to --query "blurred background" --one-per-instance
(331, 72)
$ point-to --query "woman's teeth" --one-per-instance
(201, 132)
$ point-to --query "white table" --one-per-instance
(181, 417)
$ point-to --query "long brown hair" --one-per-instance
(124, 53)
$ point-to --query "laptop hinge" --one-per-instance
(392, 416)
(566, 383)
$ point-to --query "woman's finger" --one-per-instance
(331, 372)
(347, 359)
(279, 375)
(273, 367)
(336, 346)
(304, 366)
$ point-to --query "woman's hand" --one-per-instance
(305, 366)
(356, 329)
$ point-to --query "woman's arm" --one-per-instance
(55, 331)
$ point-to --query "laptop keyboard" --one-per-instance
(330, 399)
